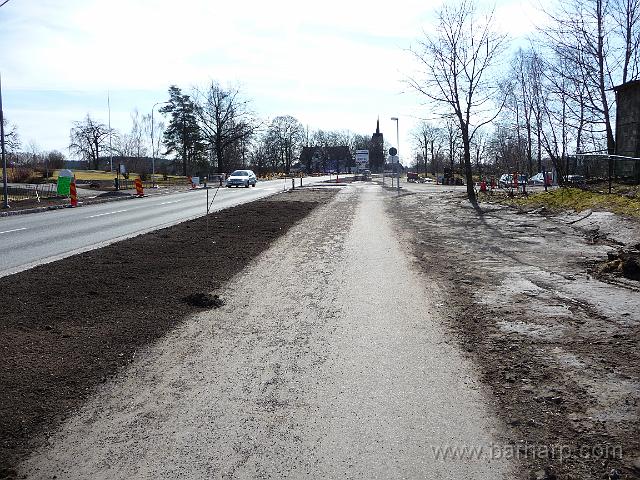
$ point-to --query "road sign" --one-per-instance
(393, 158)
(393, 151)
(362, 158)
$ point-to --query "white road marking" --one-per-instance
(108, 213)
(167, 203)
(14, 230)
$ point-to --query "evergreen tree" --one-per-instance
(182, 135)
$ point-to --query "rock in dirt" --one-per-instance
(631, 265)
(203, 300)
(625, 263)
(545, 474)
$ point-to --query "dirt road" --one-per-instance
(326, 361)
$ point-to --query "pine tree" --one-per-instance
(182, 135)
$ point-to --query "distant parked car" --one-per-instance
(506, 180)
(242, 178)
(574, 179)
(538, 179)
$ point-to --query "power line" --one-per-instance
(4, 3)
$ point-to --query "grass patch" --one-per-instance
(562, 199)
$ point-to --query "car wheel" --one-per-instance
(247, 185)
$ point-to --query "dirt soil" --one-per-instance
(70, 325)
(558, 347)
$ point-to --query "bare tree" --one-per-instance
(138, 134)
(11, 137)
(225, 119)
(286, 135)
(626, 16)
(87, 140)
(456, 61)
(452, 131)
(595, 42)
(426, 136)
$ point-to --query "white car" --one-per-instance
(242, 178)
(538, 179)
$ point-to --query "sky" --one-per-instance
(334, 65)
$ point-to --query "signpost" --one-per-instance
(362, 163)
(394, 160)
(362, 159)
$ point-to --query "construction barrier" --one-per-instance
(139, 188)
(73, 194)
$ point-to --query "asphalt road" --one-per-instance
(29, 240)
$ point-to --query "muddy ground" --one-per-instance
(558, 346)
(68, 326)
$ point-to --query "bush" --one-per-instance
(22, 175)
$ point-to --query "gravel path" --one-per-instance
(325, 362)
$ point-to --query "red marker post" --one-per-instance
(73, 194)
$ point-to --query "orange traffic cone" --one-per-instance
(73, 193)
(139, 187)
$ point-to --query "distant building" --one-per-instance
(376, 151)
(628, 119)
(628, 129)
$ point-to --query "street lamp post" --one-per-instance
(153, 148)
(5, 188)
(397, 167)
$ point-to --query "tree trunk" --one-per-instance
(96, 160)
(471, 193)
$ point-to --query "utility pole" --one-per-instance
(110, 146)
(5, 188)
(153, 155)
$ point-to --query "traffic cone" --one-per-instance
(139, 188)
(73, 193)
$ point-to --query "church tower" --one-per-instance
(376, 154)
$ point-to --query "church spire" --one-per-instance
(378, 125)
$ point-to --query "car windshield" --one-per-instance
(240, 173)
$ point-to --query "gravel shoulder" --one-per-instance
(327, 360)
(556, 343)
